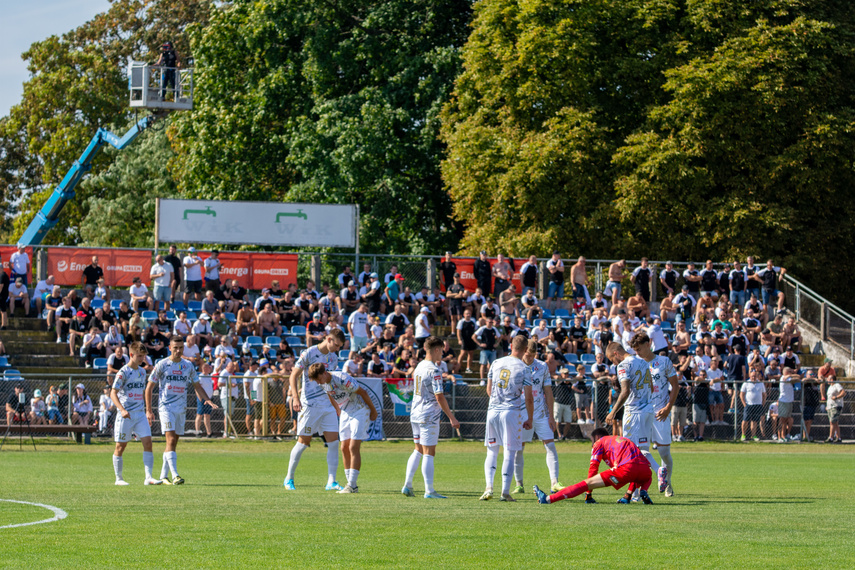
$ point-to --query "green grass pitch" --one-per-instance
(736, 506)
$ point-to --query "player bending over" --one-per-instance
(663, 373)
(509, 388)
(357, 413)
(636, 390)
(173, 376)
(543, 423)
(127, 393)
(316, 408)
(626, 463)
(428, 406)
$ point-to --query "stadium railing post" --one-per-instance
(802, 412)
(70, 410)
(264, 414)
(596, 402)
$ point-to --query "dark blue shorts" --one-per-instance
(202, 408)
(808, 412)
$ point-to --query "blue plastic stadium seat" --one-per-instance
(191, 316)
(170, 315)
(588, 359)
(254, 341)
(115, 303)
(563, 313)
(97, 304)
(149, 315)
(230, 317)
(178, 306)
(195, 305)
(343, 354)
(4, 362)
(298, 330)
(272, 340)
(99, 364)
(571, 359)
(12, 373)
(547, 314)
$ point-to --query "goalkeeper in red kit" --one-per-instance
(627, 465)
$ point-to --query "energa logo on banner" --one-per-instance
(235, 271)
(62, 266)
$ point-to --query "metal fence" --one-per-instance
(467, 399)
(830, 321)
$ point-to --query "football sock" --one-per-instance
(650, 459)
(427, 472)
(165, 469)
(569, 492)
(490, 465)
(172, 461)
(519, 465)
(148, 462)
(508, 471)
(552, 460)
(296, 452)
(665, 454)
(117, 466)
(351, 479)
(332, 460)
(412, 466)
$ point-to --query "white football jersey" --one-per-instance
(509, 375)
(539, 380)
(634, 369)
(661, 368)
(312, 394)
(174, 380)
(130, 388)
(343, 388)
(427, 382)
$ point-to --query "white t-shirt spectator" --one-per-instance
(595, 322)
(162, 274)
(785, 391)
(116, 362)
(473, 298)
(15, 289)
(834, 390)
(715, 377)
(422, 326)
(390, 315)
(192, 273)
(552, 263)
(359, 322)
(18, 262)
(181, 328)
(138, 290)
(626, 340)
(202, 326)
(351, 367)
(753, 393)
(376, 331)
(784, 356)
(539, 334)
(701, 363)
(680, 297)
(212, 268)
(224, 350)
(191, 352)
(657, 338)
(207, 384)
(42, 287)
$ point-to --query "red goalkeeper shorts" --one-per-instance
(638, 473)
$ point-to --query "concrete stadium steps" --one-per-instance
(36, 347)
(26, 324)
(812, 360)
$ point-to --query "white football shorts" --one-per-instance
(426, 433)
(316, 420)
(638, 428)
(539, 426)
(504, 427)
(354, 426)
(137, 424)
(662, 431)
(172, 421)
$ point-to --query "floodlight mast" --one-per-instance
(148, 90)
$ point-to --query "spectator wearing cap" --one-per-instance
(685, 304)
(398, 320)
(315, 330)
(374, 294)
(348, 298)
(393, 290)
(528, 274)
(18, 295)
(668, 278)
(19, 262)
(203, 331)
(502, 273)
(642, 277)
(192, 275)
(456, 294)
(213, 266)
(38, 409)
(483, 273)
(82, 405)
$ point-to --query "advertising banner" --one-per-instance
(7, 250)
(258, 223)
(466, 268)
(401, 392)
(120, 266)
(257, 270)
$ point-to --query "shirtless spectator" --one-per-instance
(268, 322)
(617, 272)
(530, 307)
(508, 302)
(668, 278)
(682, 339)
(667, 308)
(641, 278)
(246, 320)
(637, 305)
(579, 280)
(503, 273)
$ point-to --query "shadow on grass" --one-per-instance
(231, 485)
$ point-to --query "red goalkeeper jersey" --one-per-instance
(615, 451)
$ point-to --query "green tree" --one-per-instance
(78, 83)
(332, 103)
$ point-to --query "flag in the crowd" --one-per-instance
(401, 392)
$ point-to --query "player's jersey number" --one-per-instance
(504, 378)
(643, 378)
(417, 384)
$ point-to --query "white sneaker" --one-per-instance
(669, 491)
(590, 422)
(580, 422)
(152, 481)
(122, 483)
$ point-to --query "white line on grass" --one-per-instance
(59, 514)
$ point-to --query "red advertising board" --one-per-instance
(120, 266)
(466, 268)
(7, 250)
(257, 270)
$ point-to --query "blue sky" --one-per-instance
(23, 23)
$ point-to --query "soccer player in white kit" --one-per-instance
(127, 393)
(543, 422)
(509, 388)
(427, 408)
(316, 408)
(663, 373)
(636, 391)
(357, 413)
(173, 376)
